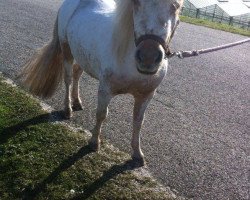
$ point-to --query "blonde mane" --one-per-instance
(123, 28)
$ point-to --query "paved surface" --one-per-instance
(196, 134)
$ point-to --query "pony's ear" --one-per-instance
(176, 5)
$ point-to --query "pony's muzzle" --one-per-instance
(149, 54)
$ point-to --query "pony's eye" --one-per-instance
(136, 2)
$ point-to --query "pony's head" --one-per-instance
(152, 24)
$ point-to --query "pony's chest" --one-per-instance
(137, 84)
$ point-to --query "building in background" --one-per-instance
(232, 12)
(247, 3)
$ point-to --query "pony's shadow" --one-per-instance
(30, 194)
(11, 131)
(107, 175)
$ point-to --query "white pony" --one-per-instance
(122, 43)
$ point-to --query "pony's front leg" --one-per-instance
(104, 97)
(140, 105)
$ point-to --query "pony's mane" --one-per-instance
(123, 28)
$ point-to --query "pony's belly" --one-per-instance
(92, 69)
(88, 39)
(84, 55)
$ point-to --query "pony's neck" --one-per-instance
(123, 33)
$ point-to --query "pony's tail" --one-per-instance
(42, 74)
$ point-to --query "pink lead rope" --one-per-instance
(186, 54)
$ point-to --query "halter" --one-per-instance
(156, 39)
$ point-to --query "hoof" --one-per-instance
(77, 106)
(68, 114)
(94, 146)
(138, 162)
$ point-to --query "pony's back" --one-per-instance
(65, 13)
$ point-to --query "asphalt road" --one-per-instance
(196, 135)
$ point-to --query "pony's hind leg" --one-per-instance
(67, 81)
(67, 63)
(77, 72)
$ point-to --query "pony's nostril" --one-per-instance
(159, 57)
(139, 56)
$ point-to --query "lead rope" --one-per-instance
(186, 54)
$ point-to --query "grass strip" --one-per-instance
(44, 160)
(215, 25)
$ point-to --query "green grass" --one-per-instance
(215, 25)
(43, 160)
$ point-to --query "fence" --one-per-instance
(213, 16)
